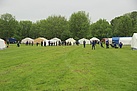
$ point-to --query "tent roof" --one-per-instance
(94, 38)
(38, 40)
(26, 39)
(70, 40)
(84, 39)
(55, 40)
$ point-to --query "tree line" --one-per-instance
(78, 26)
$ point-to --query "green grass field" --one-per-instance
(68, 68)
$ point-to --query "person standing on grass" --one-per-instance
(101, 44)
(18, 44)
(32, 43)
(120, 44)
(8, 43)
(93, 45)
(107, 43)
(84, 43)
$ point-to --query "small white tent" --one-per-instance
(71, 40)
(27, 39)
(94, 39)
(83, 39)
(134, 41)
(125, 40)
(55, 40)
(2, 44)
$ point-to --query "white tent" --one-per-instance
(125, 40)
(94, 39)
(2, 44)
(71, 40)
(55, 40)
(134, 41)
(27, 39)
(83, 39)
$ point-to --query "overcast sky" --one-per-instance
(34, 10)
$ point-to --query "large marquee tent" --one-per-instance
(134, 41)
(2, 44)
(125, 40)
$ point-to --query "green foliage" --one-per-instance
(133, 16)
(35, 30)
(8, 25)
(25, 28)
(101, 29)
(122, 26)
(56, 26)
(72, 68)
(79, 24)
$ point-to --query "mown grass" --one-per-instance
(68, 68)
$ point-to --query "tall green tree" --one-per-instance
(56, 26)
(8, 25)
(35, 30)
(122, 26)
(25, 27)
(133, 16)
(101, 29)
(79, 24)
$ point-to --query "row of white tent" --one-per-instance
(125, 40)
(53, 40)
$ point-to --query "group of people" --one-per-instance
(93, 43)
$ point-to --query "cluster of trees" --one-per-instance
(78, 26)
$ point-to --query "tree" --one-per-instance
(55, 26)
(101, 29)
(25, 27)
(35, 30)
(79, 24)
(8, 26)
(133, 16)
(122, 26)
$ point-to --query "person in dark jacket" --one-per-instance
(93, 44)
(107, 43)
(120, 44)
(84, 43)
(18, 44)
